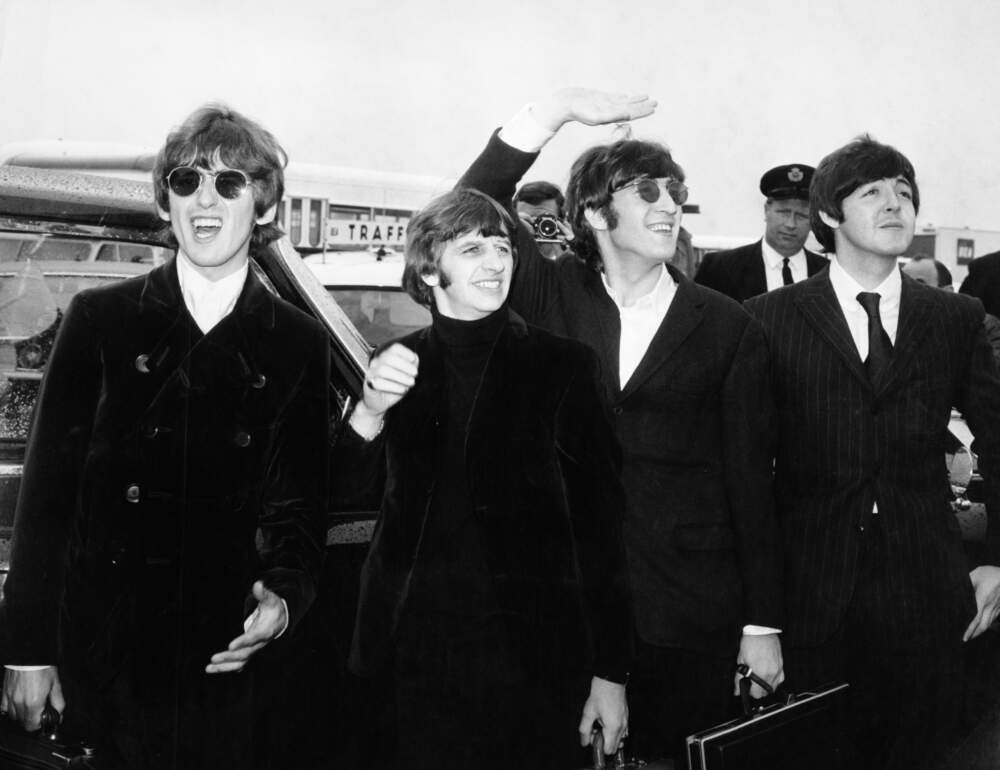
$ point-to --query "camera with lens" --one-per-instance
(547, 229)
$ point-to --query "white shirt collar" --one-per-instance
(847, 289)
(639, 322)
(662, 292)
(774, 260)
(208, 301)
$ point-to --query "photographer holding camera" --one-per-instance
(540, 206)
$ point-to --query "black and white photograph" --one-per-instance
(474, 386)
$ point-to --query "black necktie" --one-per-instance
(879, 346)
(786, 272)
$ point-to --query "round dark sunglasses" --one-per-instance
(229, 183)
(649, 190)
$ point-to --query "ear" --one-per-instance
(595, 219)
(164, 214)
(829, 221)
(431, 279)
(268, 216)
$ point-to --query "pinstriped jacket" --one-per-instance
(844, 445)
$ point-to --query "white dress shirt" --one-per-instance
(524, 133)
(847, 290)
(208, 301)
(639, 321)
(773, 262)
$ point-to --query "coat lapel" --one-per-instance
(171, 344)
(915, 316)
(685, 314)
(818, 304)
(754, 280)
(607, 341)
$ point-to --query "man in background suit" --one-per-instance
(779, 258)
(983, 281)
(684, 372)
(866, 365)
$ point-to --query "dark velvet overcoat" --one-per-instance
(692, 421)
(166, 471)
(739, 273)
(542, 465)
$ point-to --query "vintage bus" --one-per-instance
(325, 208)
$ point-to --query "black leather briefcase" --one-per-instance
(42, 749)
(807, 730)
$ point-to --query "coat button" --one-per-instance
(618, 410)
(150, 431)
(259, 383)
(242, 439)
(132, 493)
(142, 363)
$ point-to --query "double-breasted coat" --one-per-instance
(166, 471)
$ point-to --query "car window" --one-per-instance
(39, 276)
(381, 314)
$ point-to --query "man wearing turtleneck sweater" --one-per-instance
(170, 519)
(495, 588)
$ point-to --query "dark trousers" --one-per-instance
(156, 722)
(673, 693)
(462, 699)
(905, 683)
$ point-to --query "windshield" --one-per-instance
(381, 314)
(39, 275)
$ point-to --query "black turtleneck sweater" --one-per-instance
(451, 578)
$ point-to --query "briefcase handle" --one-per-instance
(49, 721)
(597, 749)
(772, 700)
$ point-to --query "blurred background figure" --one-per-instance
(540, 206)
(927, 270)
(780, 257)
(983, 281)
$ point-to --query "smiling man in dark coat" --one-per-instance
(495, 586)
(684, 370)
(780, 257)
(170, 518)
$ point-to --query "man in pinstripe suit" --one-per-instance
(867, 365)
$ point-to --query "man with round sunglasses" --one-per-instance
(684, 372)
(780, 257)
(170, 518)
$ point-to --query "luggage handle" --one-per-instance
(771, 701)
(49, 722)
(601, 760)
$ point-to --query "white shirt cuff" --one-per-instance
(253, 616)
(524, 133)
(759, 630)
(26, 668)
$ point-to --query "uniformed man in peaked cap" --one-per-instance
(778, 259)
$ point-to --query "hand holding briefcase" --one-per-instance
(42, 749)
(807, 730)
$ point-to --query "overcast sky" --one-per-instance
(418, 86)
